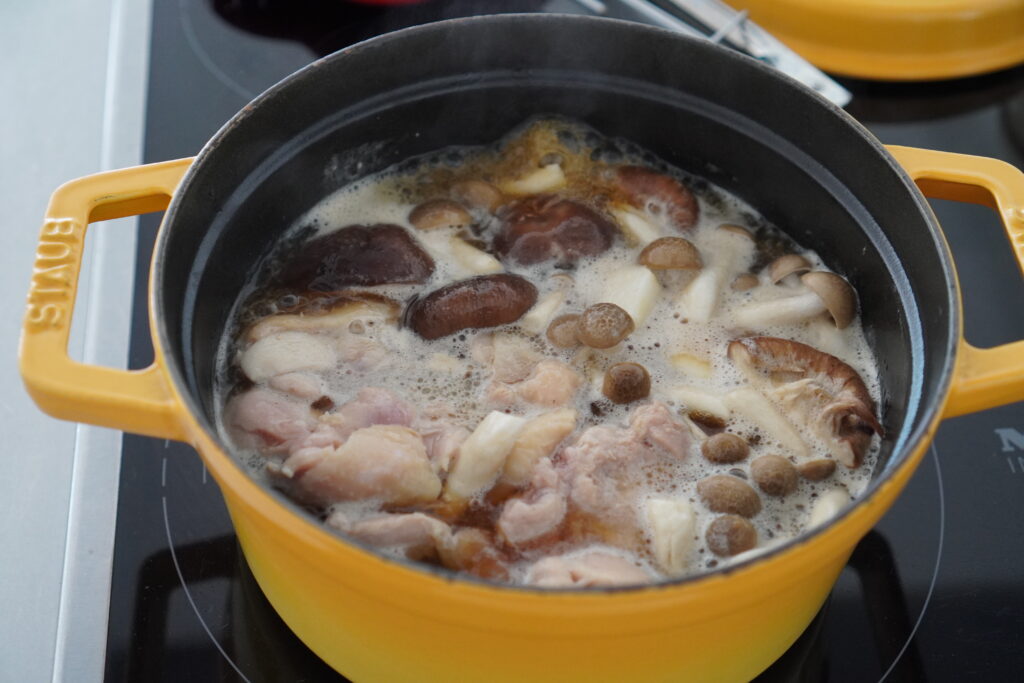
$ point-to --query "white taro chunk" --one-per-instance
(634, 289)
(287, 352)
(828, 506)
(483, 454)
(638, 230)
(537, 318)
(672, 526)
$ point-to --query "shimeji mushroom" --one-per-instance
(787, 265)
(482, 455)
(823, 292)
(731, 253)
(814, 389)
(672, 525)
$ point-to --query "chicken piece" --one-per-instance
(371, 406)
(360, 352)
(591, 568)
(287, 352)
(813, 388)
(607, 466)
(299, 384)
(414, 532)
(539, 511)
(539, 438)
(383, 462)
(442, 439)
(511, 358)
(654, 425)
(268, 421)
(473, 551)
(552, 384)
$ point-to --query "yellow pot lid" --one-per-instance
(897, 39)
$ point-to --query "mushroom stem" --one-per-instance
(791, 309)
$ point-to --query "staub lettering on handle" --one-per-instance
(53, 276)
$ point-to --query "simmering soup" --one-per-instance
(554, 361)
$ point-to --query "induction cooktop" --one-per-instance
(932, 594)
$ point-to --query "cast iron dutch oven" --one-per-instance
(804, 163)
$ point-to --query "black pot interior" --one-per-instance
(801, 162)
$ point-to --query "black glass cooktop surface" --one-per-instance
(933, 594)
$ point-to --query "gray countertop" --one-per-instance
(73, 85)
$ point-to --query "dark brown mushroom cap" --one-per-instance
(670, 253)
(817, 470)
(658, 193)
(725, 448)
(357, 256)
(774, 475)
(725, 493)
(545, 226)
(484, 301)
(833, 391)
(626, 382)
(730, 535)
(603, 325)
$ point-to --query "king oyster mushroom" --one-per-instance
(823, 291)
(731, 254)
(814, 389)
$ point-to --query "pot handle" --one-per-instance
(984, 378)
(131, 400)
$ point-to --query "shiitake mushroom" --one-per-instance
(546, 226)
(484, 301)
(357, 256)
(658, 193)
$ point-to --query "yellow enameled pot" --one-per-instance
(804, 163)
